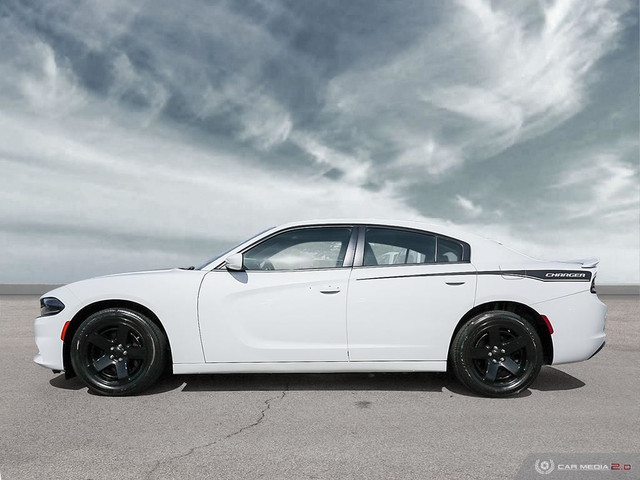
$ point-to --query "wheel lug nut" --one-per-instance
(502, 351)
(111, 357)
(113, 348)
(124, 353)
(502, 359)
(490, 354)
(120, 345)
(120, 359)
(494, 361)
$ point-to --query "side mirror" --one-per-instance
(234, 262)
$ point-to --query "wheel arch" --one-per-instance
(520, 309)
(88, 310)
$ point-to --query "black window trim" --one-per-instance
(359, 254)
(348, 256)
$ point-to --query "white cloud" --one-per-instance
(355, 169)
(128, 81)
(429, 156)
(34, 78)
(602, 185)
(538, 73)
(264, 121)
(483, 80)
(468, 206)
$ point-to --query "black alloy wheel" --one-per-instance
(496, 354)
(118, 352)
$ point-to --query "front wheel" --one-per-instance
(496, 354)
(118, 351)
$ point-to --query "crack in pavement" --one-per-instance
(262, 416)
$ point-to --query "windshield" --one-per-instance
(231, 249)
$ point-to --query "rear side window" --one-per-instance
(385, 246)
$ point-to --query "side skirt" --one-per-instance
(310, 367)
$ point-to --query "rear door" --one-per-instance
(407, 291)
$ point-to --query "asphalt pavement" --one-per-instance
(329, 426)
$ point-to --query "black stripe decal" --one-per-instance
(418, 275)
(541, 275)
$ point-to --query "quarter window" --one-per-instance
(300, 249)
(384, 246)
(449, 250)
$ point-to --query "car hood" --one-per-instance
(131, 285)
(139, 273)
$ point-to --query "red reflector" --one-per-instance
(64, 331)
(546, 320)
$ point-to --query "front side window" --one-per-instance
(385, 246)
(301, 249)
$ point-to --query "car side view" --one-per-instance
(331, 296)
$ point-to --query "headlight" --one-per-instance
(50, 306)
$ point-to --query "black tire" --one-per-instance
(496, 354)
(118, 351)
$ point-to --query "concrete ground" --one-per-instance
(335, 426)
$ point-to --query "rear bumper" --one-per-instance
(578, 321)
(598, 350)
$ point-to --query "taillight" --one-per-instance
(593, 285)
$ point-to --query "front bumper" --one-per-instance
(49, 328)
(47, 334)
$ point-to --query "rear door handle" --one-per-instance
(455, 284)
(330, 289)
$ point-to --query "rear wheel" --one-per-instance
(117, 351)
(496, 354)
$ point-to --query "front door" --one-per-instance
(287, 305)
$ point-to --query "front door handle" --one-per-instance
(455, 284)
(330, 289)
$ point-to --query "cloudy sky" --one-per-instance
(140, 135)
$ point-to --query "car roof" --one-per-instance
(448, 230)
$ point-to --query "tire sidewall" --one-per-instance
(463, 364)
(154, 343)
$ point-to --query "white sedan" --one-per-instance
(331, 296)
